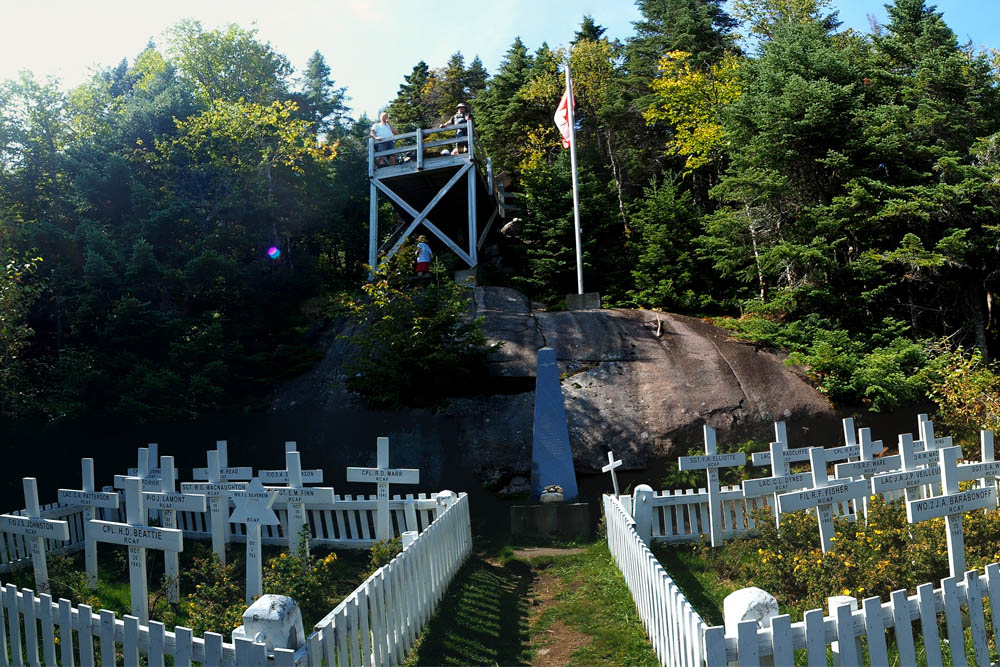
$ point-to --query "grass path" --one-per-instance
(565, 607)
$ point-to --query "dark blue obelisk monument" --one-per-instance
(551, 456)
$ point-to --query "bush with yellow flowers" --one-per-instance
(314, 581)
(216, 604)
(871, 557)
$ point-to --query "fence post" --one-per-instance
(409, 537)
(642, 512)
(832, 604)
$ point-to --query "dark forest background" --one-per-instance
(826, 192)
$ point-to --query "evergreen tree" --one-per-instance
(322, 102)
(412, 108)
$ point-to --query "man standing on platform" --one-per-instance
(462, 115)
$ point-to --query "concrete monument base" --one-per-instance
(585, 301)
(553, 520)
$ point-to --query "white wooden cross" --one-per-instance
(313, 476)
(296, 497)
(253, 509)
(90, 500)
(152, 465)
(138, 537)
(612, 464)
(952, 504)
(227, 473)
(36, 530)
(218, 492)
(169, 502)
(822, 496)
(780, 480)
(382, 474)
(913, 474)
(150, 481)
(711, 463)
(799, 454)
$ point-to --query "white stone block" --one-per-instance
(749, 604)
(274, 620)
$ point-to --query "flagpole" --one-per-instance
(576, 192)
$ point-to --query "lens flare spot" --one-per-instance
(274, 252)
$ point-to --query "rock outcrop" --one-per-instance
(639, 382)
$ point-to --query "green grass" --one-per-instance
(701, 585)
(594, 600)
(483, 618)
(487, 616)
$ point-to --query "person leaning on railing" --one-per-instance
(462, 115)
(383, 129)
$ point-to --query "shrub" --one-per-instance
(217, 602)
(414, 346)
(382, 553)
(308, 579)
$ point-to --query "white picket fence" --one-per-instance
(379, 620)
(347, 523)
(675, 629)
(680, 637)
(681, 515)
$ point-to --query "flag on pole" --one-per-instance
(562, 117)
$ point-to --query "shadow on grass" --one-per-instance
(483, 618)
(707, 605)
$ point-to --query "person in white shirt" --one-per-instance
(380, 131)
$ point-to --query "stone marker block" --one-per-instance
(551, 455)
(749, 604)
(274, 620)
(556, 520)
(471, 275)
(585, 301)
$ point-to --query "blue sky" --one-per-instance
(369, 44)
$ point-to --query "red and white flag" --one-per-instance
(562, 117)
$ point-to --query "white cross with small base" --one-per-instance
(36, 530)
(612, 464)
(822, 496)
(90, 500)
(382, 475)
(253, 509)
(169, 502)
(296, 497)
(138, 537)
(711, 463)
(218, 493)
(952, 504)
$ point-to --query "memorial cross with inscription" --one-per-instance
(780, 481)
(711, 462)
(952, 504)
(822, 496)
(144, 472)
(89, 500)
(138, 537)
(253, 509)
(36, 530)
(382, 474)
(296, 499)
(218, 492)
(612, 464)
(914, 473)
(227, 473)
(151, 467)
(169, 502)
(312, 476)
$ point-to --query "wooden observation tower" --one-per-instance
(434, 178)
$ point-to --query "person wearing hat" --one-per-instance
(423, 257)
(462, 115)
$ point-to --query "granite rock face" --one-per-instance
(641, 383)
